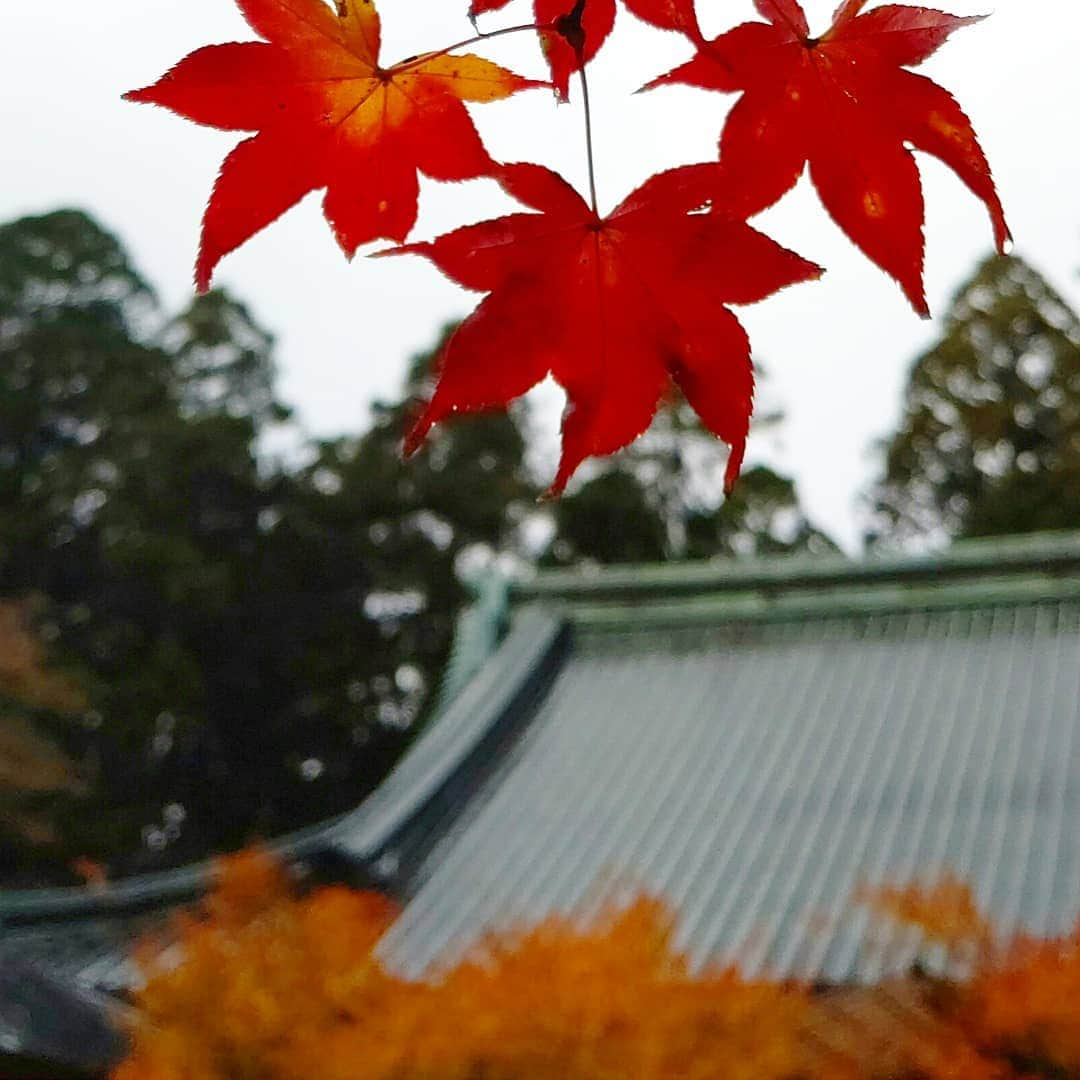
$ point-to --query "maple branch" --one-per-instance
(588, 137)
(416, 61)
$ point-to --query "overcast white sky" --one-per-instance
(837, 351)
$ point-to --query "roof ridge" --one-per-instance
(1050, 553)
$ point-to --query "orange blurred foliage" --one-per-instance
(945, 912)
(24, 675)
(32, 766)
(1026, 1005)
(94, 874)
(262, 983)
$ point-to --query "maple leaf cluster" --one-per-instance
(265, 983)
(618, 308)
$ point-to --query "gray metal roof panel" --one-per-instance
(757, 775)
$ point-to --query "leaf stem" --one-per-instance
(588, 137)
(416, 61)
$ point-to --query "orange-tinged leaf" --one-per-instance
(615, 309)
(328, 116)
(844, 104)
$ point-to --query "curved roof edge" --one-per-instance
(488, 685)
(448, 754)
(455, 750)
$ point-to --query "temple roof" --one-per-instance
(754, 741)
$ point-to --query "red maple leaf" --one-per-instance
(328, 116)
(580, 28)
(678, 15)
(844, 103)
(614, 308)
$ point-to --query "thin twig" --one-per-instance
(588, 137)
(416, 61)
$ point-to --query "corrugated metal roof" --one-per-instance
(755, 773)
(751, 739)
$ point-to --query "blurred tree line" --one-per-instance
(254, 642)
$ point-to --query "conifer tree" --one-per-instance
(989, 439)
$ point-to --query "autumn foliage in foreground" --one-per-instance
(619, 308)
(279, 987)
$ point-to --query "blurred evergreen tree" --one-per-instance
(258, 644)
(760, 518)
(989, 439)
(214, 624)
(609, 519)
(661, 499)
(424, 525)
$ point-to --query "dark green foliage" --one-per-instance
(661, 501)
(989, 440)
(608, 520)
(215, 623)
(462, 497)
(219, 361)
(761, 517)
